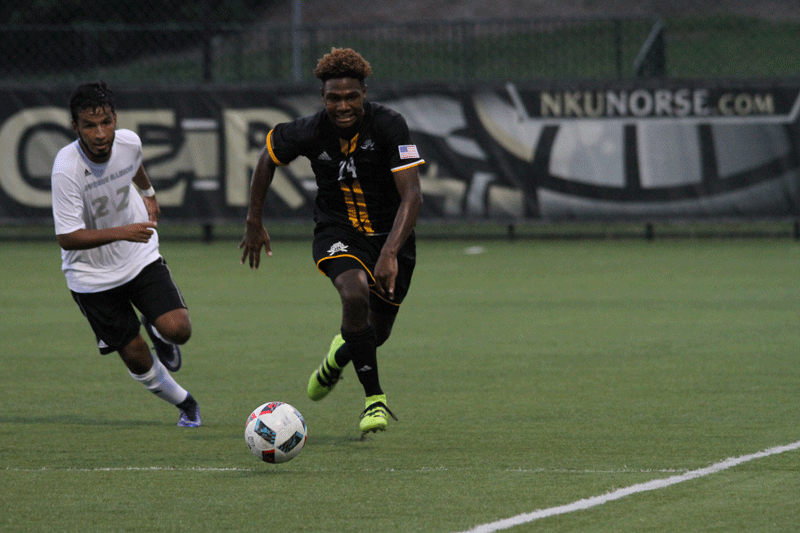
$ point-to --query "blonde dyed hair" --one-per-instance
(342, 63)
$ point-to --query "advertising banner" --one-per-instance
(604, 152)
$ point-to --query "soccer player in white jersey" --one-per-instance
(110, 255)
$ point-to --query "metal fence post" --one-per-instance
(205, 15)
(297, 22)
(618, 46)
(651, 61)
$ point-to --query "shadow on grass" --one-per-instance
(78, 420)
(333, 440)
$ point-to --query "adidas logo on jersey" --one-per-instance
(324, 156)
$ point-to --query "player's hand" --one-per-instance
(255, 236)
(138, 232)
(385, 275)
(153, 209)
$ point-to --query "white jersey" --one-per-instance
(88, 195)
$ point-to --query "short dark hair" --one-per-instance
(92, 95)
(342, 63)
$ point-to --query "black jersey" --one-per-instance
(355, 185)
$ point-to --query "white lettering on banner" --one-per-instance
(177, 155)
(12, 133)
(641, 103)
(644, 103)
(18, 127)
(699, 100)
(244, 140)
(682, 102)
(162, 151)
(744, 104)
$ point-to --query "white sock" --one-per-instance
(159, 381)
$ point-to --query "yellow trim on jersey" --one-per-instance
(356, 206)
(348, 147)
(271, 153)
(414, 164)
(361, 202)
(351, 204)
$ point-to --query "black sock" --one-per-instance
(361, 346)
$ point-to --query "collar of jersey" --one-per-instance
(98, 169)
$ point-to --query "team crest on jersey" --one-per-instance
(338, 247)
(368, 145)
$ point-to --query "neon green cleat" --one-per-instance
(324, 378)
(375, 416)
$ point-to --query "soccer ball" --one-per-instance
(275, 432)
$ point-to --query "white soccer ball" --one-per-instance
(275, 432)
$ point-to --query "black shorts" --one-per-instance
(338, 249)
(112, 315)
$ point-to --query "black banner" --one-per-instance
(504, 153)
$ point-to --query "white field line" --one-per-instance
(422, 470)
(656, 484)
(132, 469)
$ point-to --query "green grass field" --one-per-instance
(527, 377)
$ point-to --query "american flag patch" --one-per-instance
(408, 151)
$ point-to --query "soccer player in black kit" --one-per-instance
(367, 204)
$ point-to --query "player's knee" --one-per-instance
(183, 332)
(355, 299)
(182, 337)
(352, 286)
(175, 327)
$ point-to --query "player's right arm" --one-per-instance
(255, 234)
(84, 239)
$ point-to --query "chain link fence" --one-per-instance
(211, 41)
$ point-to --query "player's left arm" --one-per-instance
(142, 180)
(407, 182)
